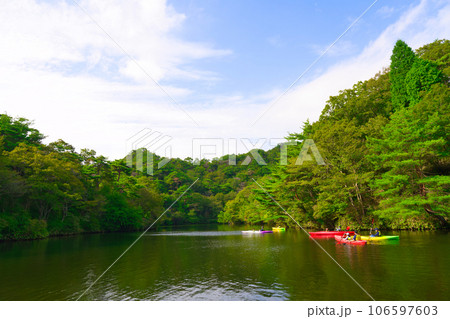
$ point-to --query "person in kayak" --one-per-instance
(338, 228)
(262, 228)
(377, 233)
(356, 235)
(348, 236)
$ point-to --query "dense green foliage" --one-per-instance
(438, 52)
(412, 156)
(54, 190)
(402, 59)
(420, 78)
(386, 146)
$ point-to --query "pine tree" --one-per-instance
(402, 59)
(412, 155)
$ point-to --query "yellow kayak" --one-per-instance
(378, 238)
(278, 228)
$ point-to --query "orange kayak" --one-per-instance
(351, 242)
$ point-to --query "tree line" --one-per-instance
(384, 142)
(51, 189)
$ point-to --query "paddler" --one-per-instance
(377, 233)
(356, 235)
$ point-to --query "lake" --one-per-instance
(219, 263)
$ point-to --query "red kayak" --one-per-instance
(351, 242)
(330, 233)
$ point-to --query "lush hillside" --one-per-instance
(54, 190)
(386, 146)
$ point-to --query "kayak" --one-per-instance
(330, 233)
(278, 228)
(378, 238)
(341, 240)
(257, 231)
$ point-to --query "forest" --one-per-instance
(385, 144)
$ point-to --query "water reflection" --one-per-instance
(221, 264)
(197, 233)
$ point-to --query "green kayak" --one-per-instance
(368, 238)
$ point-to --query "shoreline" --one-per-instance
(206, 225)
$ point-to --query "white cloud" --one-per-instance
(40, 35)
(419, 25)
(385, 11)
(341, 48)
(60, 68)
(91, 105)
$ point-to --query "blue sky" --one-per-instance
(273, 42)
(223, 62)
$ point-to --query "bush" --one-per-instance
(37, 229)
(21, 226)
(70, 225)
(119, 215)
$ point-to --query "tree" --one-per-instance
(422, 75)
(412, 158)
(404, 173)
(402, 59)
(54, 183)
(118, 215)
(362, 102)
(18, 130)
(438, 52)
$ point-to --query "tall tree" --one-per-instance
(402, 59)
(413, 159)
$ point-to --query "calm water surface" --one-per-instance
(219, 263)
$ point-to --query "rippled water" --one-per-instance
(219, 263)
